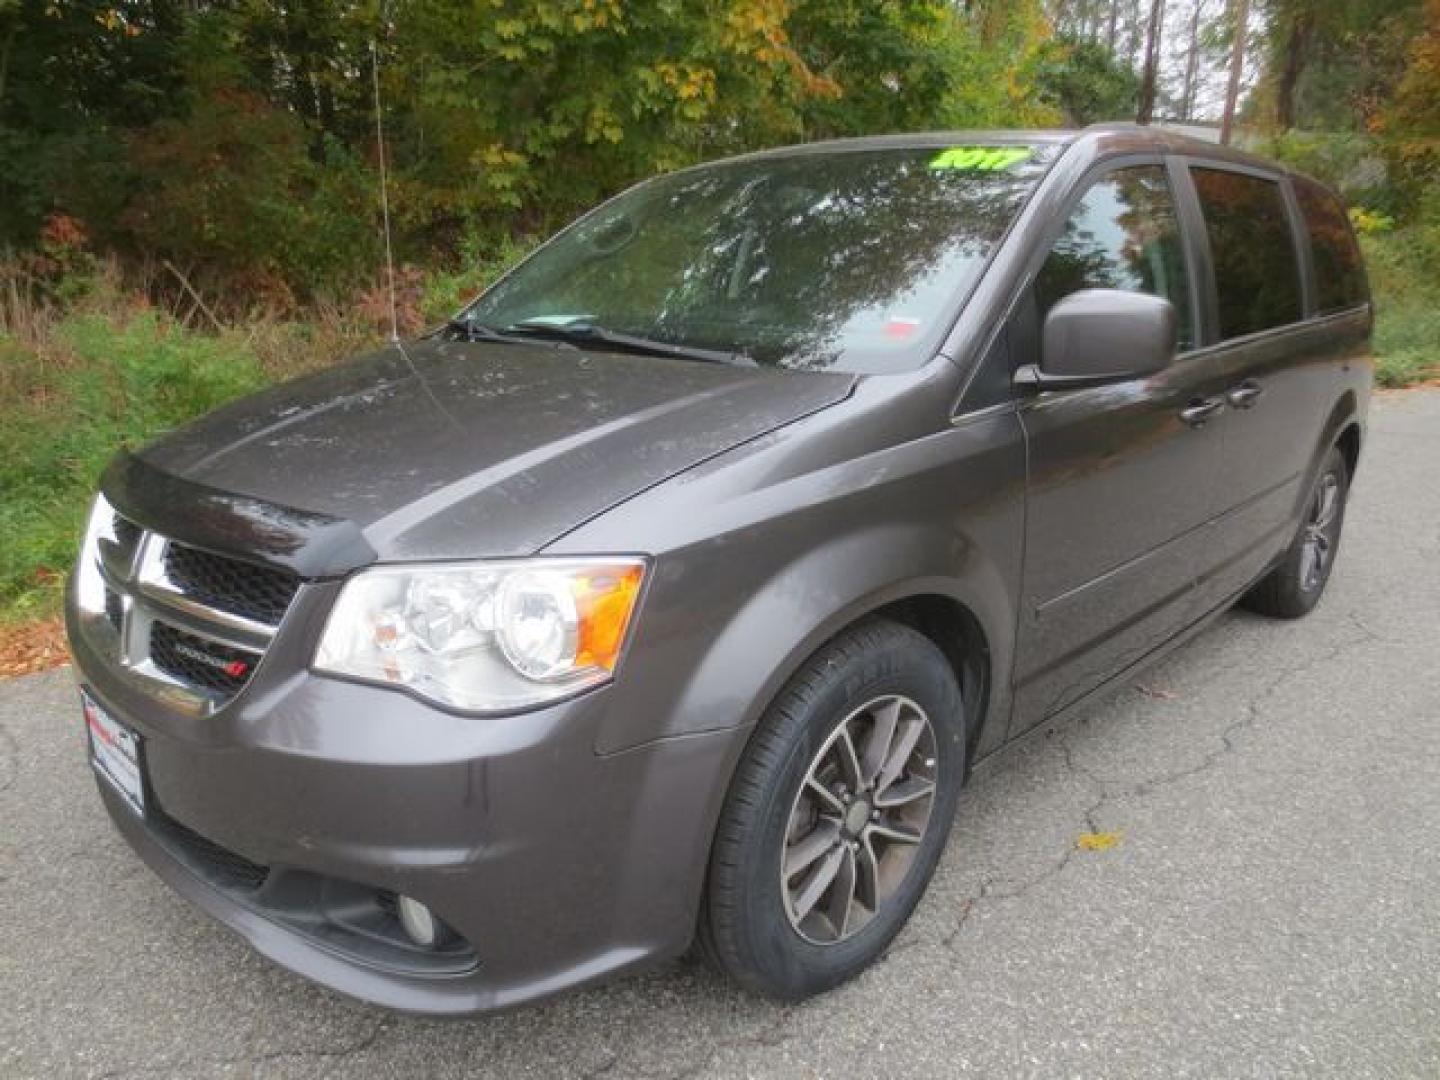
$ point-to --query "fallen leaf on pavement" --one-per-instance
(32, 646)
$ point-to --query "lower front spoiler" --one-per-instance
(441, 993)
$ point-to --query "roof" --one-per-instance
(1104, 139)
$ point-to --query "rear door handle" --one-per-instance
(1198, 412)
(1246, 394)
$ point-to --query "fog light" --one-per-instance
(419, 922)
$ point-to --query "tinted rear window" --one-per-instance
(1339, 273)
(1257, 278)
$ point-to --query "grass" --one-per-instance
(100, 384)
(88, 367)
(1407, 307)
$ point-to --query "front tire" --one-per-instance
(1295, 586)
(837, 814)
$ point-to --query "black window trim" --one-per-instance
(1299, 242)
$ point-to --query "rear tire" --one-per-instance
(1295, 586)
(837, 814)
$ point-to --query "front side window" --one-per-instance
(1339, 273)
(849, 261)
(1257, 277)
(1123, 234)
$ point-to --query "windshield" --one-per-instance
(848, 261)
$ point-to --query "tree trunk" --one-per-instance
(1192, 64)
(1134, 37)
(1297, 53)
(5, 59)
(1112, 26)
(1152, 62)
(1240, 17)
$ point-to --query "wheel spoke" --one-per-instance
(867, 877)
(877, 746)
(1326, 501)
(906, 791)
(823, 795)
(900, 751)
(811, 846)
(894, 832)
(849, 760)
(842, 896)
(1308, 559)
(817, 881)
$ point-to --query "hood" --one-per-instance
(452, 450)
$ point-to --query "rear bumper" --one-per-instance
(558, 866)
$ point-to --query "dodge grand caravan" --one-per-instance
(671, 591)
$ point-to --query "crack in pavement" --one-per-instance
(769, 1034)
(186, 1067)
(9, 758)
(1108, 791)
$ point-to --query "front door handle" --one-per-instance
(1198, 412)
(1246, 394)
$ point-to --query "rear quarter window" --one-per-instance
(1339, 271)
(1257, 276)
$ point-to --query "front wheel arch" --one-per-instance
(955, 630)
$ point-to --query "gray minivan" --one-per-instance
(671, 591)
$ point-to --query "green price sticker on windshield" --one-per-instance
(980, 158)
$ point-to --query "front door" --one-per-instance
(1121, 478)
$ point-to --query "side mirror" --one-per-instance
(1100, 336)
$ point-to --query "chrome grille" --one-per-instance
(189, 625)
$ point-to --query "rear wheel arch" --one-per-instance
(1341, 429)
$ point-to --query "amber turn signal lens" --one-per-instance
(604, 601)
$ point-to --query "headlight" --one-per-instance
(484, 636)
(89, 585)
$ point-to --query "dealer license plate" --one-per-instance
(115, 753)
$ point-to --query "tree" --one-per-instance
(1296, 27)
(1410, 128)
(1239, 17)
(1154, 30)
(1190, 85)
(1087, 82)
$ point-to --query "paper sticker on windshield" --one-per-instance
(980, 158)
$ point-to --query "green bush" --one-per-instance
(481, 263)
(1353, 164)
(1407, 303)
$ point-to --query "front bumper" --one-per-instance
(558, 866)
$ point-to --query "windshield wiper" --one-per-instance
(471, 330)
(583, 331)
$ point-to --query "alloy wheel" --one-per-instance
(1318, 540)
(858, 819)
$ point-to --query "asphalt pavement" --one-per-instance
(1268, 903)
